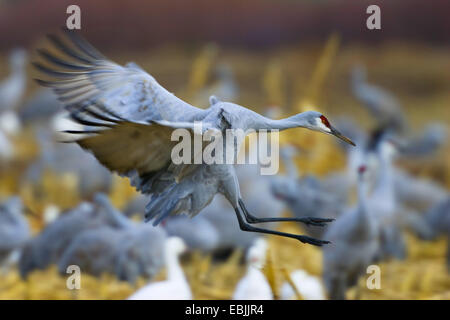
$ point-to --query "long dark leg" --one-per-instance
(305, 239)
(306, 220)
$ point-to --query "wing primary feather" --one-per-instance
(59, 62)
(54, 73)
(80, 120)
(63, 83)
(83, 45)
(81, 132)
(81, 94)
(61, 46)
(98, 115)
(43, 82)
(107, 111)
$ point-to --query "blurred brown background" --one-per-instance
(252, 23)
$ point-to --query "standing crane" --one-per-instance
(14, 231)
(305, 196)
(131, 119)
(380, 103)
(48, 247)
(439, 219)
(388, 113)
(355, 244)
(13, 87)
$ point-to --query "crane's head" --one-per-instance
(316, 121)
(362, 169)
(385, 143)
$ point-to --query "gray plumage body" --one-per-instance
(255, 188)
(198, 233)
(128, 252)
(305, 196)
(383, 202)
(42, 105)
(387, 112)
(136, 206)
(142, 255)
(48, 246)
(418, 193)
(438, 218)
(13, 87)
(427, 143)
(14, 228)
(355, 241)
(413, 195)
(380, 103)
(305, 199)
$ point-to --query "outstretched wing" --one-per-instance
(129, 116)
(86, 76)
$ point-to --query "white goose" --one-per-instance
(176, 286)
(310, 287)
(254, 285)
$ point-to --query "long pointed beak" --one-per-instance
(339, 135)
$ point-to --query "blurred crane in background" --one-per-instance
(48, 247)
(381, 104)
(12, 89)
(355, 243)
(439, 219)
(14, 232)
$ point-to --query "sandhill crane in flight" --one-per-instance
(131, 118)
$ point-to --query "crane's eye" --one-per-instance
(325, 121)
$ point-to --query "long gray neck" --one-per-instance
(385, 182)
(118, 219)
(291, 168)
(362, 194)
(113, 215)
(364, 219)
(296, 121)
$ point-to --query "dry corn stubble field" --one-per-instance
(419, 76)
